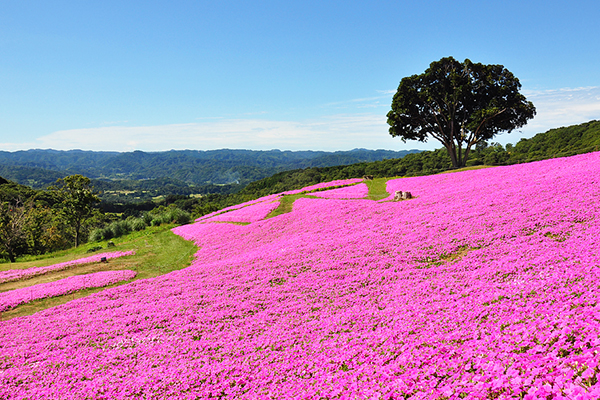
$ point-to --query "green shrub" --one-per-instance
(96, 235)
(156, 222)
(137, 224)
(119, 228)
(179, 216)
(147, 218)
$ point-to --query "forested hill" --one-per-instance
(39, 168)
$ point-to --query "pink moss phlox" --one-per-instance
(268, 198)
(17, 274)
(485, 285)
(68, 285)
(350, 192)
(251, 213)
(323, 185)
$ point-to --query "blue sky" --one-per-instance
(293, 75)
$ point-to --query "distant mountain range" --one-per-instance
(40, 168)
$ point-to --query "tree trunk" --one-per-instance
(452, 154)
(77, 229)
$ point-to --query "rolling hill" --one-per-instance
(40, 168)
(483, 286)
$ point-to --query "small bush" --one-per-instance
(96, 235)
(179, 216)
(119, 228)
(155, 222)
(147, 218)
(138, 224)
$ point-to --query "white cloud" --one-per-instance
(382, 100)
(335, 132)
(555, 108)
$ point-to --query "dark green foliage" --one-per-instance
(77, 198)
(94, 249)
(13, 234)
(560, 142)
(169, 215)
(459, 105)
(186, 171)
(30, 176)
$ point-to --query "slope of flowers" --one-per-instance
(348, 192)
(324, 185)
(68, 285)
(270, 197)
(273, 197)
(16, 274)
(251, 213)
(484, 286)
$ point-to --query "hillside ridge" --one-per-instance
(189, 167)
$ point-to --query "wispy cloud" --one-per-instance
(555, 108)
(383, 99)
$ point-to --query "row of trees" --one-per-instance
(40, 221)
(70, 212)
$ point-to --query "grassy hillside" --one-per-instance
(483, 286)
(560, 142)
(157, 251)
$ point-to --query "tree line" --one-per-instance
(67, 214)
(183, 168)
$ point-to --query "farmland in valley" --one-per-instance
(485, 285)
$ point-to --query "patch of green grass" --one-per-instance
(286, 204)
(157, 252)
(230, 222)
(377, 188)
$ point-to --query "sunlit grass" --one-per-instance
(377, 188)
(157, 251)
(286, 204)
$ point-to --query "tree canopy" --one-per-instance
(78, 199)
(458, 104)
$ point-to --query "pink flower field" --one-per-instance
(68, 285)
(251, 213)
(17, 274)
(324, 185)
(484, 286)
(271, 197)
(348, 192)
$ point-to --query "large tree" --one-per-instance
(77, 200)
(458, 104)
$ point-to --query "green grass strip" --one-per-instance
(377, 188)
